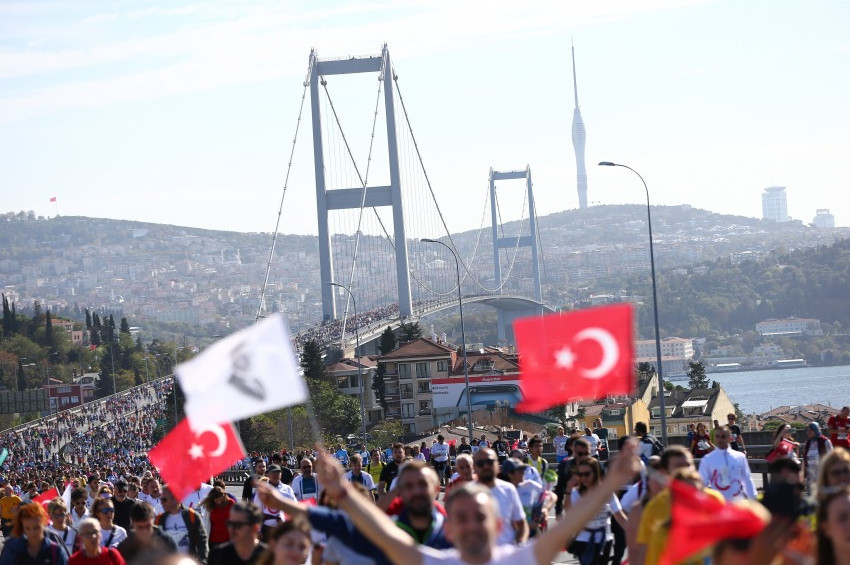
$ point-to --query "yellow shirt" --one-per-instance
(655, 523)
(8, 505)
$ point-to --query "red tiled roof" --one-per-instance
(422, 347)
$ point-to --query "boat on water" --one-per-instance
(676, 376)
(734, 367)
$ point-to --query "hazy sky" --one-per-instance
(183, 111)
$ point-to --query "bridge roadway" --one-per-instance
(372, 329)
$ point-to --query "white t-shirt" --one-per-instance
(594, 442)
(68, 535)
(440, 452)
(270, 515)
(175, 526)
(367, 481)
(510, 509)
(560, 445)
(502, 555)
(193, 499)
(602, 520)
(529, 494)
(111, 538)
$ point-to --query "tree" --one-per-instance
(387, 342)
(125, 326)
(386, 345)
(696, 375)
(409, 331)
(312, 363)
(22, 378)
(380, 386)
(48, 330)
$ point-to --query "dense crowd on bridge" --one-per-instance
(332, 331)
(447, 502)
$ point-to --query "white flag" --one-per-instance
(245, 374)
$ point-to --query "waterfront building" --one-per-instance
(790, 327)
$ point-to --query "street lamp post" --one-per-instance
(359, 362)
(654, 302)
(462, 334)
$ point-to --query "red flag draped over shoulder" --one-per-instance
(698, 521)
(186, 458)
(580, 355)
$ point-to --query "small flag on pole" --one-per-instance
(53, 199)
(581, 355)
(248, 373)
(3, 455)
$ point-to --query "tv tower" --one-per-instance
(579, 137)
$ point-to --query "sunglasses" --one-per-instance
(582, 453)
(585, 474)
(485, 462)
(839, 471)
(107, 511)
(306, 468)
(235, 525)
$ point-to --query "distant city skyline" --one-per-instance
(185, 113)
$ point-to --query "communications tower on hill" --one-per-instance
(579, 137)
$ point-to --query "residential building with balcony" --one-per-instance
(407, 381)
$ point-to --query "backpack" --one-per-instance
(190, 524)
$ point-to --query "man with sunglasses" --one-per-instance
(566, 470)
(122, 503)
(244, 548)
(514, 527)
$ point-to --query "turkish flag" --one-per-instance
(581, 355)
(187, 458)
(46, 496)
(698, 521)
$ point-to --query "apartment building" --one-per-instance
(407, 381)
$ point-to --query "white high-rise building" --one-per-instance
(774, 205)
(823, 219)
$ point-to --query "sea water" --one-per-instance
(760, 391)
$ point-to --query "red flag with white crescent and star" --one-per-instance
(187, 458)
(581, 355)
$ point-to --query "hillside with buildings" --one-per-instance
(203, 282)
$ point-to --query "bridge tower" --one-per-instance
(348, 198)
(514, 242)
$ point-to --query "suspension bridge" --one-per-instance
(376, 206)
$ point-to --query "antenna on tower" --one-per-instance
(575, 82)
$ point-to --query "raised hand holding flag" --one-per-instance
(581, 355)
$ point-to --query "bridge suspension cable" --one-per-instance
(466, 264)
(262, 302)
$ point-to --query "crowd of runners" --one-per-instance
(491, 502)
